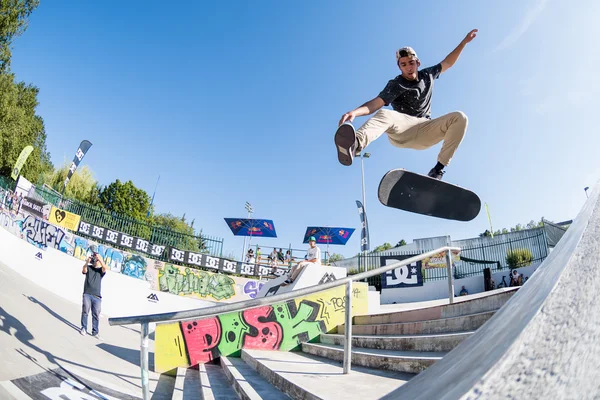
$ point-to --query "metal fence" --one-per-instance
(473, 260)
(98, 216)
(7, 183)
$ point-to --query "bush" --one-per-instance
(352, 271)
(519, 258)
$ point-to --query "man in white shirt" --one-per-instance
(313, 257)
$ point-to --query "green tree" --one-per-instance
(335, 257)
(13, 22)
(125, 199)
(385, 246)
(171, 222)
(401, 243)
(82, 186)
(20, 127)
(187, 240)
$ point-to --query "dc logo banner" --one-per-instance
(38, 256)
(406, 276)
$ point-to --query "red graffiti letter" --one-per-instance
(269, 333)
(201, 339)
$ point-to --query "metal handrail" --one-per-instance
(145, 320)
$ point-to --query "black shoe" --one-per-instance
(345, 143)
(436, 174)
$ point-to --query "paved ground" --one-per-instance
(41, 347)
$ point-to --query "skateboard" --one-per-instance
(422, 194)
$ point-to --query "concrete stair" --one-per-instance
(443, 342)
(403, 361)
(443, 325)
(388, 349)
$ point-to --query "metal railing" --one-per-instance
(145, 320)
(154, 233)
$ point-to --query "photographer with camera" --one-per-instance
(94, 270)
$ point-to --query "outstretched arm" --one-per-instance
(368, 108)
(452, 57)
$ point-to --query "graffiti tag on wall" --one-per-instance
(162, 276)
(41, 233)
(282, 327)
(193, 282)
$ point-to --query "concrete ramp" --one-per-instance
(544, 343)
(311, 275)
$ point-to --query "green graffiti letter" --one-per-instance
(233, 330)
(221, 287)
(299, 324)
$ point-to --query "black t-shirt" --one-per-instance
(412, 97)
(93, 280)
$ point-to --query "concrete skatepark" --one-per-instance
(536, 341)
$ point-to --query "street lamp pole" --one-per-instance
(250, 211)
(362, 170)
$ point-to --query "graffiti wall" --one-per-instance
(282, 326)
(165, 277)
(186, 281)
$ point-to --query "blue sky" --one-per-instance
(239, 101)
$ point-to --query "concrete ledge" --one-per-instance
(436, 342)
(278, 380)
(303, 376)
(205, 387)
(444, 325)
(247, 383)
(402, 361)
(179, 384)
(491, 302)
(543, 344)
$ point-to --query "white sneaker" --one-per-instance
(97, 336)
(83, 332)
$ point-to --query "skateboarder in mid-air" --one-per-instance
(409, 124)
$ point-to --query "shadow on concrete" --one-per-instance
(138, 331)
(51, 312)
(21, 333)
(129, 355)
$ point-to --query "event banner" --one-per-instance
(64, 218)
(121, 239)
(439, 260)
(33, 206)
(219, 264)
(84, 146)
(21, 161)
(364, 233)
(406, 276)
(176, 255)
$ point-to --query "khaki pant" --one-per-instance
(406, 131)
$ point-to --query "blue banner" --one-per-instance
(251, 227)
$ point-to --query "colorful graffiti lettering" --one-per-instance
(41, 233)
(134, 266)
(283, 326)
(199, 283)
(112, 258)
(165, 277)
(251, 288)
(11, 223)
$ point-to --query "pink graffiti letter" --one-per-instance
(269, 334)
(201, 339)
